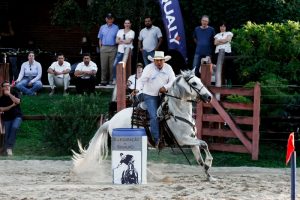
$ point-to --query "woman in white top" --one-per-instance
(223, 41)
(124, 40)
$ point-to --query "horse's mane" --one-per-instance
(176, 89)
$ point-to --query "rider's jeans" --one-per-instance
(152, 105)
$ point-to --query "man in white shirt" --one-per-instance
(150, 39)
(58, 74)
(156, 78)
(85, 73)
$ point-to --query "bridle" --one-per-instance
(198, 91)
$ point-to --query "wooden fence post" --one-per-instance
(121, 86)
(123, 71)
(4, 72)
(218, 74)
(206, 71)
(256, 121)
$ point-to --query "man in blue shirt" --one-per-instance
(108, 48)
(204, 39)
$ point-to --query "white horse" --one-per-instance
(186, 88)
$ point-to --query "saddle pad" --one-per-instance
(140, 117)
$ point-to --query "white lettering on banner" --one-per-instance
(173, 33)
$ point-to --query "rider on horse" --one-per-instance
(156, 78)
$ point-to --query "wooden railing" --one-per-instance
(211, 125)
(4, 72)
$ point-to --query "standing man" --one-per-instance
(58, 74)
(108, 48)
(156, 78)
(204, 39)
(150, 39)
(29, 80)
(86, 75)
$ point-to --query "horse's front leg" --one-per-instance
(208, 157)
(200, 161)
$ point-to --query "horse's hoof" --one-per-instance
(211, 179)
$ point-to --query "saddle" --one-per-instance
(140, 118)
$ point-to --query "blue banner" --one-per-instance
(173, 23)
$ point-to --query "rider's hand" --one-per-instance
(6, 92)
(163, 90)
(134, 92)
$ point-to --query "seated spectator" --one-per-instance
(131, 82)
(12, 115)
(58, 74)
(85, 74)
(29, 80)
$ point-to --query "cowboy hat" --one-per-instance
(159, 55)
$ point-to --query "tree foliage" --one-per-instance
(270, 53)
(271, 48)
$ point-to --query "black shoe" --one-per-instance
(103, 84)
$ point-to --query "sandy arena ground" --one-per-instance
(33, 179)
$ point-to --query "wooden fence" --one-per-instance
(211, 118)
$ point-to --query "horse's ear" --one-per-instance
(192, 71)
(182, 72)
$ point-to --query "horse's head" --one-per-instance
(195, 87)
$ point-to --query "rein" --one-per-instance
(167, 114)
(190, 101)
(184, 120)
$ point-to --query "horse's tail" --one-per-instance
(96, 151)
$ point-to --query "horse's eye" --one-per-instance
(194, 83)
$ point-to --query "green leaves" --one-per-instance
(65, 13)
(268, 48)
(73, 118)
